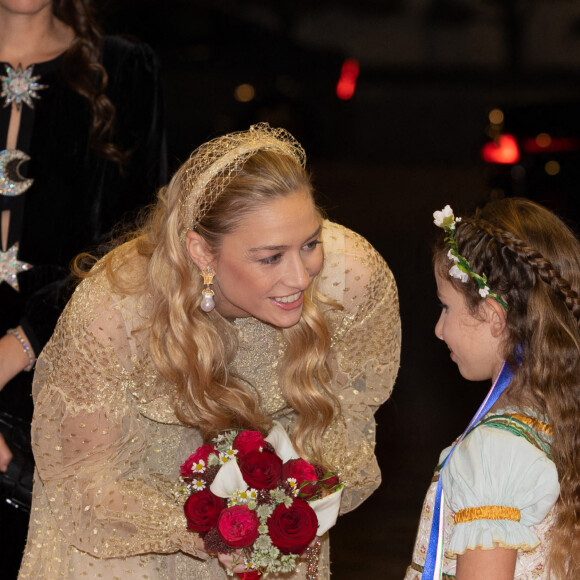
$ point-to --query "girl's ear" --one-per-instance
(198, 250)
(497, 316)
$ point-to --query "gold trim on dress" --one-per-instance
(533, 423)
(487, 512)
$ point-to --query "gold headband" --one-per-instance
(215, 163)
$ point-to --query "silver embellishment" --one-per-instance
(10, 266)
(11, 181)
(19, 86)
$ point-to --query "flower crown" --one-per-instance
(461, 268)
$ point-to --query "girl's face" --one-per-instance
(266, 264)
(474, 343)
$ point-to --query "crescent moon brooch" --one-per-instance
(20, 86)
(12, 182)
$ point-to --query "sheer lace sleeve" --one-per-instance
(365, 355)
(101, 461)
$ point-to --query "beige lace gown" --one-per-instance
(108, 445)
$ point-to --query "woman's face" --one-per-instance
(266, 264)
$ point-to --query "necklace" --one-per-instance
(20, 86)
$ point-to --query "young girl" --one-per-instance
(505, 499)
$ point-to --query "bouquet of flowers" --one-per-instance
(253, 493)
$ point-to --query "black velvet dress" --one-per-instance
(74, 201)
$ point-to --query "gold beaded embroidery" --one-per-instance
(487, 512)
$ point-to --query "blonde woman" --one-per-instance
(236, 304)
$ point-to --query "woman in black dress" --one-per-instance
(81, 125)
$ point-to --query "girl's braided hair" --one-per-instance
(541, 265)
(532, 260)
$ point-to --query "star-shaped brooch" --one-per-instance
(20, 86)
(10, 265)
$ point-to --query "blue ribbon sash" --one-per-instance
(433, 561)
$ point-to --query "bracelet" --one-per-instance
(312, 558)
(25, 346)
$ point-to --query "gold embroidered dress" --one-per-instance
(108, 445)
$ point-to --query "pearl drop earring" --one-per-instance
(207, 301)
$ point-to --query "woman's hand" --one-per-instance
(315, 543)
(5, 455)
(233, 562)
(13, 358)
(478, 564)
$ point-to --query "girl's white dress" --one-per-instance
(500, 486)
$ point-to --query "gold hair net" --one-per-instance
(215, 163)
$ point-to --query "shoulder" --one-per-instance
(338, 240)
(92, 300)
(352, 267)
(120, 54)
(493, 466)
(119, 47)
(102, 294)
(499, 487)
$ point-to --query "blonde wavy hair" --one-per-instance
(193, 349)
(532, 260)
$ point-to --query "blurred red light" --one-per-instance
(503, 150)
(554, 145)
(347, 82)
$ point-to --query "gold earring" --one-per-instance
(207, 301)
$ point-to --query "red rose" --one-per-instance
(261, 469)
(238, 526)
(252, 575)
(292, 529)
(202, 509)
(304, 473)
(330, 480)
(202, 452)
(247, 441)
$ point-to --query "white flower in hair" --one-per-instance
(461, 268)
(455, 272)
(444, 217)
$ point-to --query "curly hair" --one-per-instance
(532, 259)
(194, 350)
(84, 73)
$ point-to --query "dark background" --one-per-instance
(407, 143)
